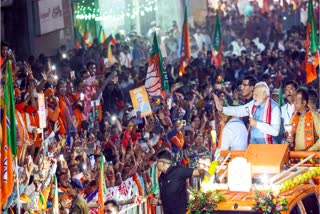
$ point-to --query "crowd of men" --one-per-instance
(257, 95)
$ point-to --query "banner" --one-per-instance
(140, 101)
(50, 15)
(42, 111)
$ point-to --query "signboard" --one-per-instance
(42, 111)
(50, 15)
(140, 101)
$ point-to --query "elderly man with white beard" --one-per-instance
(264, 113)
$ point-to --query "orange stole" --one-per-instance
(72, 98)
(308, 128)
(64, 110)
(22, 127)
(78, 115)
(34, 121)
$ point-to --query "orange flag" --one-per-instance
(185, 45)
(312, 51)
(102, 186)
(9, 140)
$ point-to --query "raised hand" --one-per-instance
(56, 127)
(217, 102)
(44, 76)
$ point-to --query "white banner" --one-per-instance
(50, 15)
(42, 111)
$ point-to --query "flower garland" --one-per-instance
(299, 179)
(212, 169)
(267, 203)
(201, 202)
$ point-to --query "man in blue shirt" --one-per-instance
(264, 115)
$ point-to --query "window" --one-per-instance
(311, 204)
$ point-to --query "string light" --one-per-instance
(88, 10)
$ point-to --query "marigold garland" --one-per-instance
(299, 179)
(212, 169)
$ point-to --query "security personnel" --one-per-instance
(173, 185)
(79, 205)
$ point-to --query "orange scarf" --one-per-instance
(34, 121)
(136, 180)
(308, 128)
(223, 124)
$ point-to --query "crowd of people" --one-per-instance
(257, 95)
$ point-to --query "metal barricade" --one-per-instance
(139, 208)
(136, 208)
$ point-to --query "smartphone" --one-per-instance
(72, 75)
(179, 85)
(90, 145)
(81, 96)
(61, 157)
(29, 159)
(92, 161)
(188, 128)
(146, 135)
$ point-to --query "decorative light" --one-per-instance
(265, 179)
(89, 10)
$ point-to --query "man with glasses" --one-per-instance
(246, 88)
(173, 184)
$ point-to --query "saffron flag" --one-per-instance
(87, 37)
(185, 45)
(217, 42)
(9, 140)
(78, 38)
(102, 186)
(109, 40)
(312, 49)
(101, 35)
(110, 55)
(157, 78)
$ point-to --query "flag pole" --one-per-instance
(18, 192)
